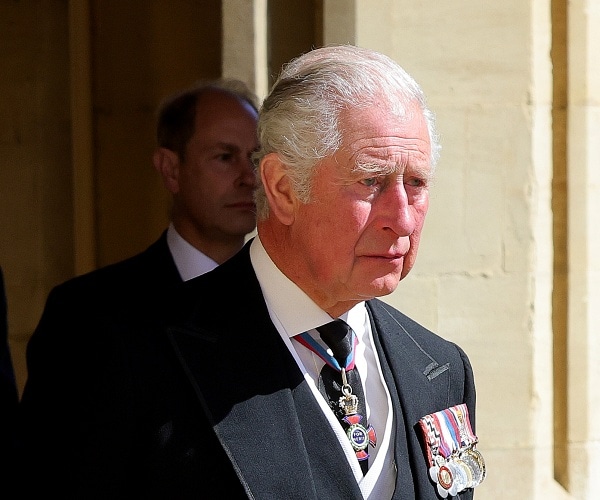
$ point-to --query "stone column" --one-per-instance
(584, 247)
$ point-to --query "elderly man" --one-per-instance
(279, 375)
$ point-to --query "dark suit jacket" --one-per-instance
(8, 386)
(209, 403)
(69, 347)
(8, 400)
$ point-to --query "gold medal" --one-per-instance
(474, 459)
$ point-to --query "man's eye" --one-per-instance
(369, 181)
(225, 156)
(415, 182)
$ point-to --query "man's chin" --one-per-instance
(243, 229)
(383, 286)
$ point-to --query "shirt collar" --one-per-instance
(190, 261)
(296, 311)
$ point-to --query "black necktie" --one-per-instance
(347, 399)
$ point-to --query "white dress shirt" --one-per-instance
(293, 312)
(190, 261)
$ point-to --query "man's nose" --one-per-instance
(399, 213)
(247, 172)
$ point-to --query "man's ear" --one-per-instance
(278, 188)
(166, 163)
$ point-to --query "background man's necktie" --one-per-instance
(346, 398)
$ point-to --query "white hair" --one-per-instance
(299, 118)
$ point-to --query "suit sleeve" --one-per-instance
(73, 417)
(469, 386)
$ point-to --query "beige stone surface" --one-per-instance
(484, 275)
(509, 264)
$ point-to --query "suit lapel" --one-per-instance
(267, 419)
(404, 489)
(429, 381)
(418, 384)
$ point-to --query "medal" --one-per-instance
(454, 463)
(360, 436)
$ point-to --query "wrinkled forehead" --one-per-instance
(379, 140)
(379, 120)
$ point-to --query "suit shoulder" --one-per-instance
(390, 318)
(233, 282)
(122, 275)
(385, 312)
(101, 278)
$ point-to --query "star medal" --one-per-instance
(360, 436)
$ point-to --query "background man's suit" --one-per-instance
(8, 398)
(8, 387)
(203, 390)
(71, 341)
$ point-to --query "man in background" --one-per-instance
(206, 136)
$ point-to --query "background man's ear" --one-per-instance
(166, 163)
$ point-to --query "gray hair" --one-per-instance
(299, 118)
